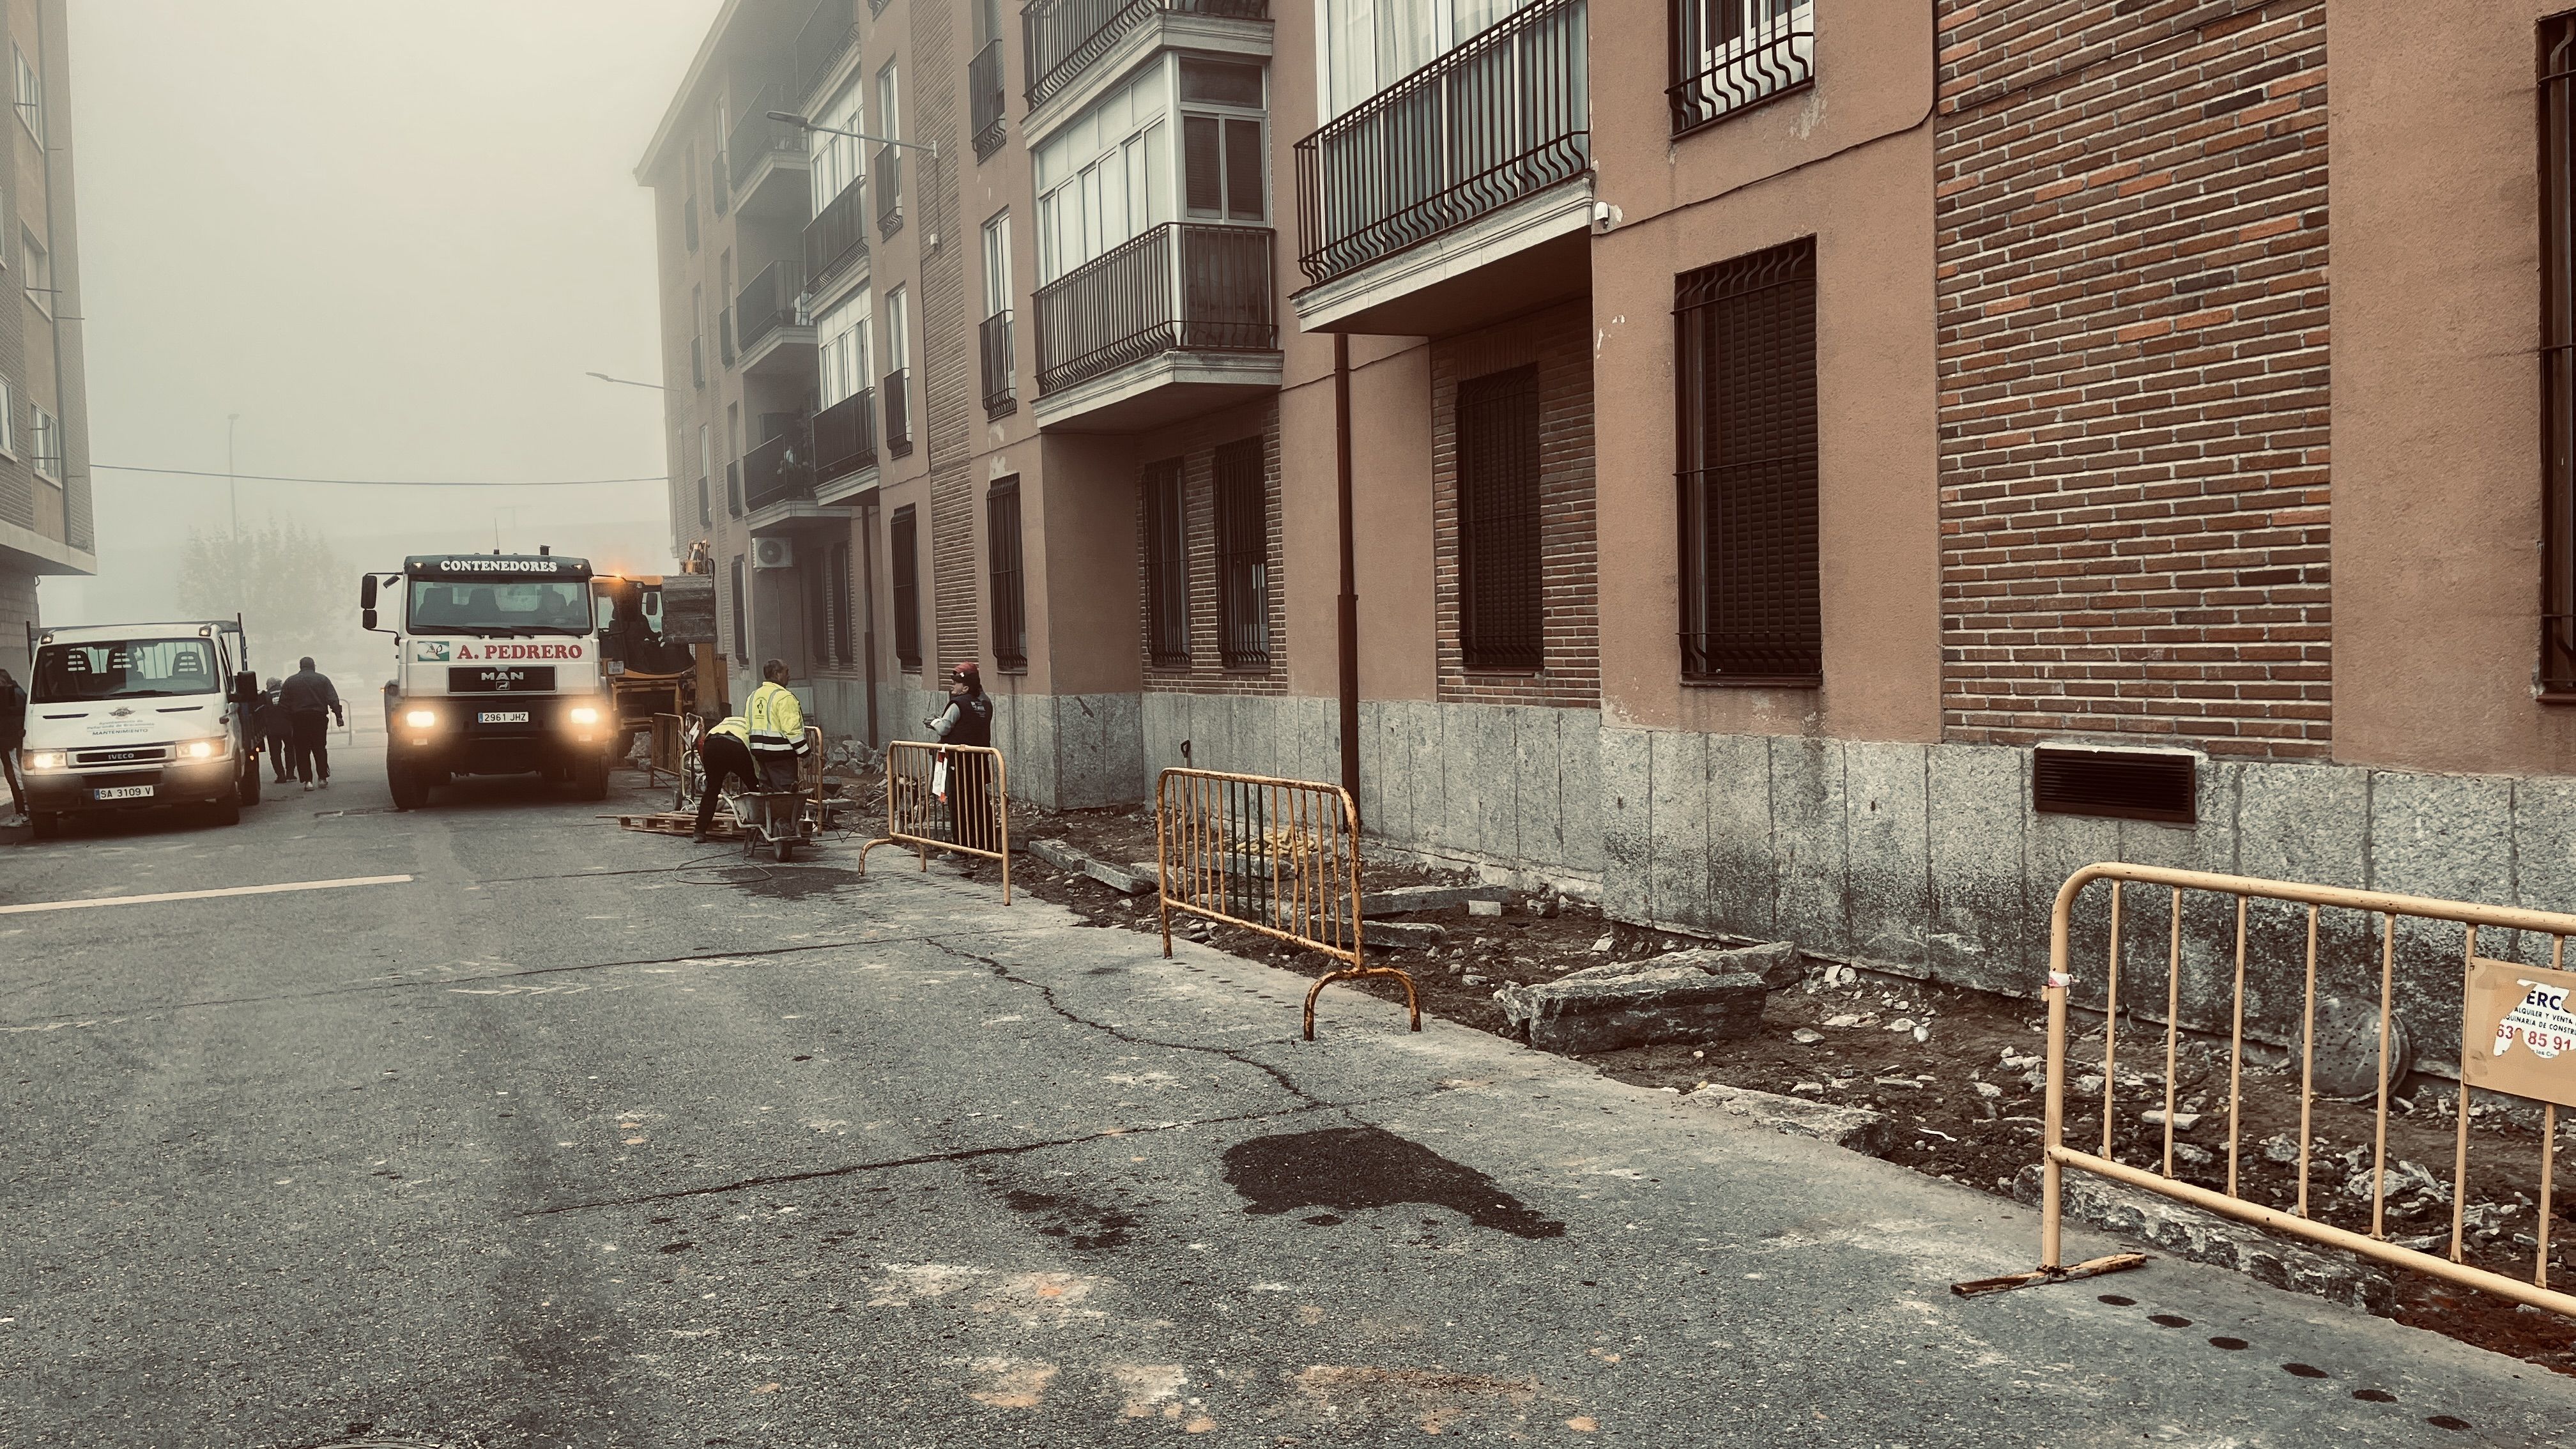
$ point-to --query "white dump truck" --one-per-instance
(140, 717)
(497, 671)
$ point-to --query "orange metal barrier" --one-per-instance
(2518, 1037)
(968, 810)
(1281, 857)
(663, 749)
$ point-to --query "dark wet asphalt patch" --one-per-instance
(1086, 1227)
(1349, 1168)
(786, 882)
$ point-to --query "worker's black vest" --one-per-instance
(974, 720)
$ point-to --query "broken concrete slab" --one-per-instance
(1405, 900)
(1777, 963)
(1634, 1003)
(1857, 1128)
(2187, 1232)
(1403, 935)
(1065, 857)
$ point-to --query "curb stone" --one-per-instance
(2187, 1232)
(1857, 1129)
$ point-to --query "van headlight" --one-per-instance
(47, 760)
(582, 714)
(420, 719)
(207, 749)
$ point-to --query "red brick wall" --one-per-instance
(1195, 443)
(1559, 342)
(2131, 238)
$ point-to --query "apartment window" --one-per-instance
(836, 572)
(1221, 153)
(1000, 395)
(706, 513)
(1746, 348)
(2558, 357)
(8, 419)
(1167, 565)
(889, 162)
(898, 380)
(1501, 614)
(1729, 54)
(31, 94)
(1010, 594)
(689, 202)
(1243, 553)
(45, 441)
(39, 271)
(1105, 177)
(841, 354)
(1371, 44)
(984, 79)
(741, 635)
(906, 548)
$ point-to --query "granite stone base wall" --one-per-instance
(1515, 785)
(1062, 751)
(1929, 860)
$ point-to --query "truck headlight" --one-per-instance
(420, 719)
(202, 749)
(582, 714)
(47, 760)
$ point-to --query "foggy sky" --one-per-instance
(393, 237)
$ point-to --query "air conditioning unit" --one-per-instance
(772, 553)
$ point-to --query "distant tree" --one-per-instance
(294, 595)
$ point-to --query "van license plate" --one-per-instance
(122, 792)
(504, 716)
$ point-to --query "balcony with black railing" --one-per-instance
(1730, 54)
(1001, 394)
(768, 160)
(885, 173)
(770, 316)
(836, 240)
(830, 33)
(1064, 39)
(1463, 188)
(845, 440)
(1173, 322)
(780, 471)
(898, 412)
(984, 90)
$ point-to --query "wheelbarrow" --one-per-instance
(777, 819)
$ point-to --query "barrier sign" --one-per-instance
(2521, 1031)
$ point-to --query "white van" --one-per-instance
(139, 716)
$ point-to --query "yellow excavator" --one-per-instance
(657, 636)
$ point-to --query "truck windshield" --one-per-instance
(124, 669)
(500, 606)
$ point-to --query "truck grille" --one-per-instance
(131, 755)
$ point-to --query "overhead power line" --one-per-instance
(379, 482)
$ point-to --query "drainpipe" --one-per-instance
(1350, 600)
(868, 589)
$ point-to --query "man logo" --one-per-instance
(429, 651)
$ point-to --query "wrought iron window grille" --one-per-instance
(1745, 345)
(1243, 554)
(1501, 584)
(1002, 547)
(2557, 664)
(994, 338)
(1730, 54)
(984, 86)
(904, 543)
(1167, 566)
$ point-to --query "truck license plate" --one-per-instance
(504, 716)
(122, 792)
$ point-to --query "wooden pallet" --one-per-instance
(680, 822)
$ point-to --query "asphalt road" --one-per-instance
(583, 1137)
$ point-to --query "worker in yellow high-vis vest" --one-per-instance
(777, 727)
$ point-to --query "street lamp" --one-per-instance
(232, 497)
(628, 381)
(803, 124)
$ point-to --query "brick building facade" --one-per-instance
(1750, 473)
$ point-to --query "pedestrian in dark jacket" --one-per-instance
(13, 736)
(278, 728)
(311, 701)
(968, 720)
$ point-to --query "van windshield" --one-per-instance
(124, 669)
(500, 606)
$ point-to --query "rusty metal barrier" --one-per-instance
(971, 815)
(2517, 1037)
(1281, 857)
(663, 749)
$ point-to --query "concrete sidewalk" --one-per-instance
(1744, 1286)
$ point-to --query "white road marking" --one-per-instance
(257, 890)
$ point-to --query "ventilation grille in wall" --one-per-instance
(2128, 784)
